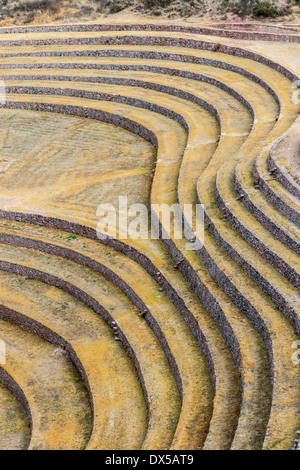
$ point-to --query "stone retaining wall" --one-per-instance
(242, 35)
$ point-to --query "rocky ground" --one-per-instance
(21, 12)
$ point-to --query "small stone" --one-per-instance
(59, 352)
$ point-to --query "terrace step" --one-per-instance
(258, 395)
(145, 117)
(207, 197)
(259, 206)
(103, 259)
(15, 427)
(283, 162)
(281, 198)
(104, 365)
(277, 254)
(77, 77)
(105, 390)
(245, 179)
(190, 364)
(245, 31)
(194, 389)
(246, 294)
(57, 400)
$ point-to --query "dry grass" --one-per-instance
(47, 11)
(65, 166)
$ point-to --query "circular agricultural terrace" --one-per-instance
(123, 343)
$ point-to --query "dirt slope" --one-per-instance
(21, 12)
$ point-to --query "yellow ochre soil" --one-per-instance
(209, 366)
